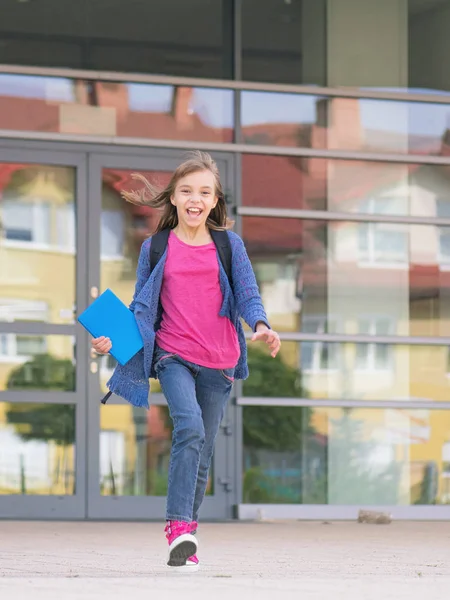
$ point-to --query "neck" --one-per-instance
(192, 235)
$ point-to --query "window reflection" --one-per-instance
(37, 240)
(346, 456)
(124, 226)
(37, 449)
(357, 124)
(349, 186)
(340, 272)
(320, 370)
(71, 106)
(37, 362)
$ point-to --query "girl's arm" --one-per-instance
(248, 299)
(246, 291)
(142, 271)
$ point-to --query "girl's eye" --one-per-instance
(206, 193)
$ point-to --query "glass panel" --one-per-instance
(37, 362)
(124, 226)
(349, 186)
(352, 278)
(135, 450)
(276, 41)
(170, 37)
(338, 44)
(354, 124)
(37, 240)
(37, 449)
(427, 25)
(321, 370)
(121, 109)
(345, 456)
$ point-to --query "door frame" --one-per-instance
(55, 506)
(218, 506)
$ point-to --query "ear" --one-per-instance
(172, 201)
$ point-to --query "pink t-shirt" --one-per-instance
(191, 299)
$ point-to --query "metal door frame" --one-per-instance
(55, 506)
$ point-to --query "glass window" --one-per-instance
(337, 456)
(135, 451)
(37, 362)
(37, 240)
(338, 43)
(356, 124)
(359, 278)
(320, 370)
(427, 26)
(350, 186)
(168, 37)
(116, 108)
(37, 449)
(276, 41)
(124, 226)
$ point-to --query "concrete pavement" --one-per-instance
(273, 560)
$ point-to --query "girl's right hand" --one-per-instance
(102, 345)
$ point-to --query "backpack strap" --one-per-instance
(223, 245)
(220, 238)
(158, 246)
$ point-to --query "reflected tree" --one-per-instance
(360, 471)
(45, 422)
(274, 437)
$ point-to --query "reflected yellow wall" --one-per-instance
(60, 459)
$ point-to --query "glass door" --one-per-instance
(42, 371)
(129, 448)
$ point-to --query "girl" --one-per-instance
(189, 318)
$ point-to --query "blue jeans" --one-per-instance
(197, 398)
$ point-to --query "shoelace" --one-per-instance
(169, 528)
(172, 528)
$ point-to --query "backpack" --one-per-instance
(220, 238)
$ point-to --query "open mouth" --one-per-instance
(194, 212)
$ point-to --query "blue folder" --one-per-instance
(110, 317)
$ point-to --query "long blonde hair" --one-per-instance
(152, 196)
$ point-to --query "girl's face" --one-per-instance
(195, 198)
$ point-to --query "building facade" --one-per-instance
(330, 123)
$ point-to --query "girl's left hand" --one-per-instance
(271, 337)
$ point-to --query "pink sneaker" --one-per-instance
(193, 562)
(182, 544)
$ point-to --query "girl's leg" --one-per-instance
(213, 388)
(177, 381)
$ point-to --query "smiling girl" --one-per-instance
(189, 315)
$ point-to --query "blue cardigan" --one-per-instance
(131, 381)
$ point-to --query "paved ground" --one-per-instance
(281, 560)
